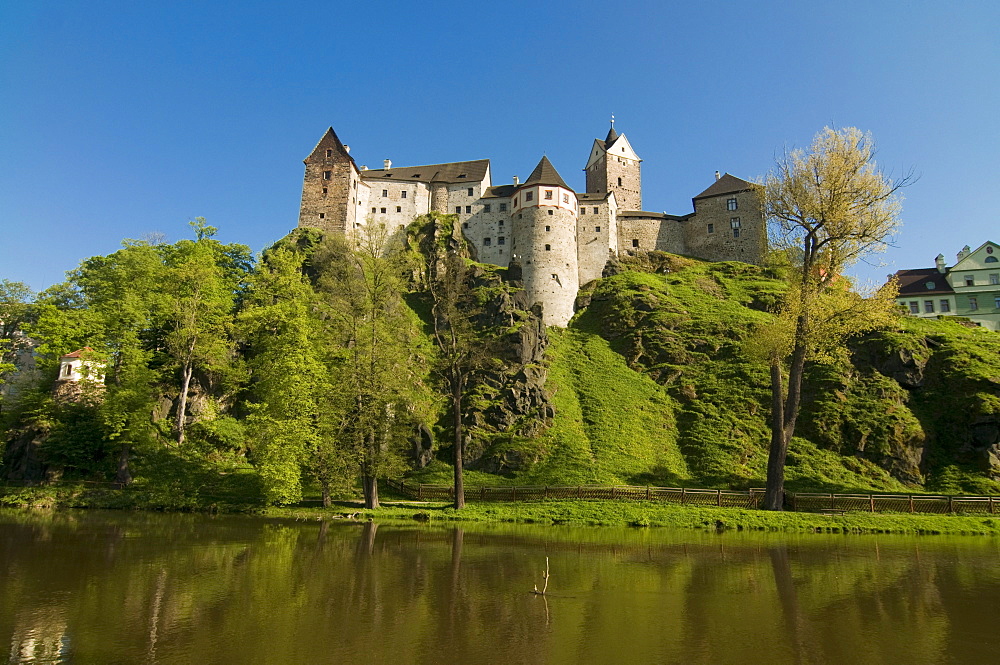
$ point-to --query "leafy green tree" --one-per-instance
(286, 376)
(201, 289)
(374, 368)
(16, 312)
(832, 207)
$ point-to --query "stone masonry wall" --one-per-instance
(597, 237)
(710, 233)
(545, 245)
(329, 197)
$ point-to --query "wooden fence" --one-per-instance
(797, 501)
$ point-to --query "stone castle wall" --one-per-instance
(716, 232)
(546, 249)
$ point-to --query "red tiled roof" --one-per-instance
(79, 352)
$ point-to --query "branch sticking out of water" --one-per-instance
(545, 578)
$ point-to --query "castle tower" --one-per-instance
(330, 187)
(613, 166)
(544, 215)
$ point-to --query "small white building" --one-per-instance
(79, 366)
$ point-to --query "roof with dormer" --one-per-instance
(922, 281)
(727, 184)
(546, 174)
(451, 173)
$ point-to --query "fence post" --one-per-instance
(950, 510)
(579, 491)
(513, 493)
(871, 500)
(482, 493)
(683, 495)
(911, 503)
(613, 488)
(991, 505)
(545, 492)
(649, 495)
(718, 497)
(833, 501)
(420, 492)
(795, 506)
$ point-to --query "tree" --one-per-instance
(16, 311)
(372, 361)
(829, 207)
(200, 294)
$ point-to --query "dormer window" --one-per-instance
(930, 286)
(462, 175)
(970, 280)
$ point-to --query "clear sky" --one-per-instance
(121, 119)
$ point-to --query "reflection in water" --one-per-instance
(90, 587)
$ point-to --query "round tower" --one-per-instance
(544, 216)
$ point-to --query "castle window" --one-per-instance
(550, 212)
(595, 211)
(324, 191)
(970, 280)
(486, 207)
(503, 207)
(565, 198)
(736, 233)
(945, 306)
(470, 191)
(529, 196)
(973, 303)
(385, 192)
(402, 226)
(994, 279)
(501, 240)
(399, 209)
(487, 242)
(402, 194)
(500, 222)
(415, 175)
(583, 210)
(929, 306)
(711, 228)
(734, 222)
(996, 302)
(597, 228)
(990, 259)
(548, 193)
(468, 210)
(519, 215)
(635, 242)
(914, 307)
(731, 204)
(462, 175)
(322, 215)
(548, 228)
(329, 153)
(458, 210)
(465, 225)
(383, 211)
(619, 182)
(548, 248)
(374, 210)
(327, 174)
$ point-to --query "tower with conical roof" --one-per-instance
(613, 166)
(544, 214)
(330, 187)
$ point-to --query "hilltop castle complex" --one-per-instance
(559, 238)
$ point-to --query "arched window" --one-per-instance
(990, 259)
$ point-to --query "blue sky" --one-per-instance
(121, 119)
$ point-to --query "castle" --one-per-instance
(559, 238)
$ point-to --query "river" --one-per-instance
(110, 587)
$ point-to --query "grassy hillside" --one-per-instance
(651, 384)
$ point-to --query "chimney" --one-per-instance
(939, 262)
(517, 181)
(387, 164)
(347, 148)
(964, 253)
(717, 176)
(364, 167)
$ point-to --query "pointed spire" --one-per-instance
(612, 134)
(546, 174)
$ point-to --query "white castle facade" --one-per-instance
(559, 238)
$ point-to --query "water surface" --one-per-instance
(108, 587)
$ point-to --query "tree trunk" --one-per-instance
(182, 404)
(370, 485)
(326, 494)
(774, 494)
(124, 476)
(456, 403)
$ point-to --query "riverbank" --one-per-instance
(638, 514)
